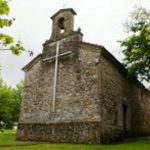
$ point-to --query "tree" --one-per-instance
(6, 41)
(17, 100)
(136, 47)
(10, 100)
(6, 101)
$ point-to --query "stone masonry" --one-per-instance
(95, 101)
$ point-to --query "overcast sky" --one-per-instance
(101, 22)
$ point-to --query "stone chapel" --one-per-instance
(77, 92)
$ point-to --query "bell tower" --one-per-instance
(62, 24)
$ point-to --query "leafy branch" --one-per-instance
(136, 47)
(7, 41)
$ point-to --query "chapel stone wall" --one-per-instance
(33, 106)
(77, 111)
(117, 91)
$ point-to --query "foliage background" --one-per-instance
(10, 100)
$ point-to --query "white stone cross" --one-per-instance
(56, 72)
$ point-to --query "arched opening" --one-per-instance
(61, 25)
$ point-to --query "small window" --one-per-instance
(61, 25)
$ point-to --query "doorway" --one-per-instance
(125, 118)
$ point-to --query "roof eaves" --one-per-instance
(31, 63)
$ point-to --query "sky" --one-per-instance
(101, 22)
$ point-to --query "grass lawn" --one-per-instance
(8, 138)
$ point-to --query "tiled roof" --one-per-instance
(92, 45)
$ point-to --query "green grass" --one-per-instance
(8, 138)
